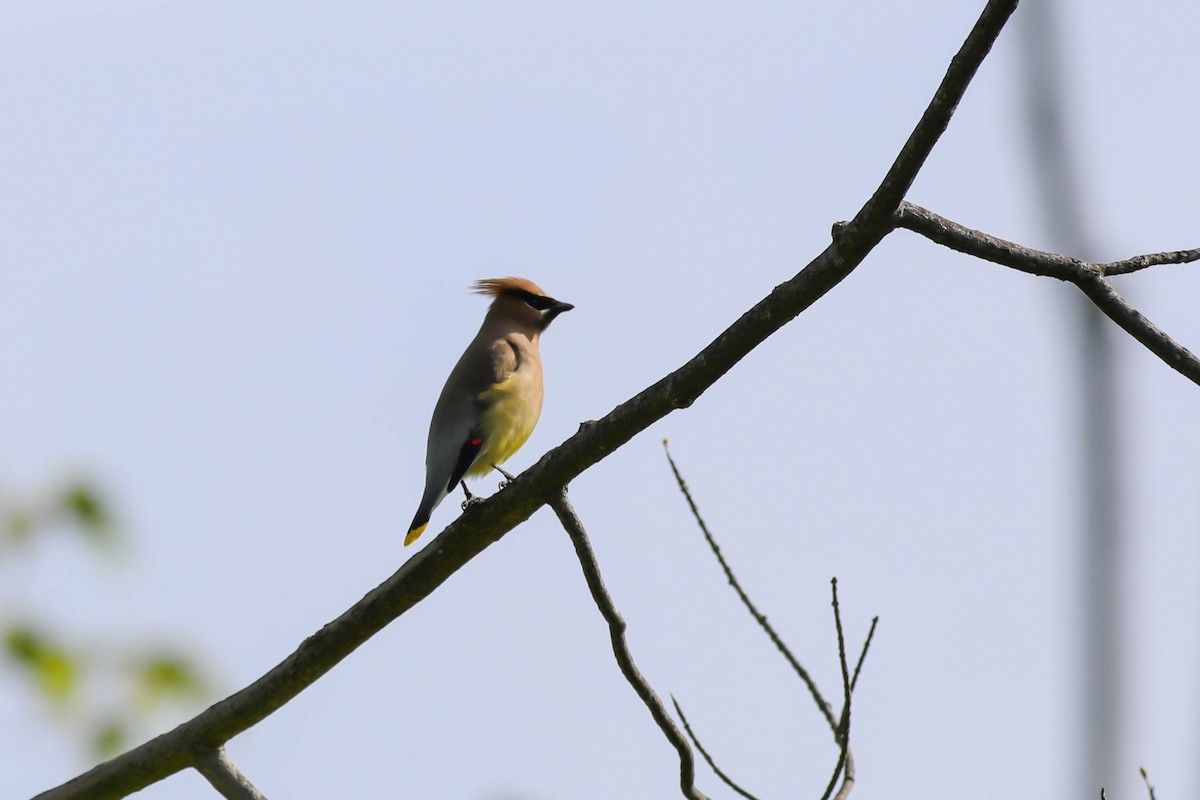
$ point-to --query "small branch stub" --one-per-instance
(226, 778)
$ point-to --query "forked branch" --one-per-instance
(839, 726)
(1090, 278)
(616, 630)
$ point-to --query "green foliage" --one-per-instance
(105, 692)
(165, 676)
(77, 507)
(53, 669)
(87, 507)
(109, 738)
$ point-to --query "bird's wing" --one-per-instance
(503, 360)
(466, 457)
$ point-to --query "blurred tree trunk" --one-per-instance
(1100, 488)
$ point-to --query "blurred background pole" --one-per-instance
(1058, 188)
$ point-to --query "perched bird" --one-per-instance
(493, 397)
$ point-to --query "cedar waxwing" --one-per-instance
(493, 397)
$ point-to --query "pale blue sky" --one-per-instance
(238, 241)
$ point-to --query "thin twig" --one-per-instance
(863, 654)
(822, 704)
(712, 764)
(844, 723)
(1088, 277)
(1146, 780)
(1026, 259)
(1128, 265)
(843, 728)
(848, 781)
(225, 777)
(839, 727)
(848, 776)
(616, 630)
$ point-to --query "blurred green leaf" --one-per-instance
(78, 506)
(85, 504)
(168, 676)
(22, 644)
(109, 739)
(19, 524)
(51, 666)
(58, 674)
(104, 692)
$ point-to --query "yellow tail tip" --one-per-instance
(414, 534)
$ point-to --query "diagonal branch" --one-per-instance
(1026, 259)
(616, 629)
(933, 122)
(1128, 265)
(839, 727)
(822, 704)
(1146, 780)
(225, 777)
(1088, 277)
(862, 655)
(845, 756)
(728, 781)
(487, 522)
(843, 727)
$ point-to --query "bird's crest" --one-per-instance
(499, 286)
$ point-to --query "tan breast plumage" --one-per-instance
(512, 410)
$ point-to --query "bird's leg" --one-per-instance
(508, 477)
(471, 499)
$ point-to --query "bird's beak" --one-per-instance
(553, 311)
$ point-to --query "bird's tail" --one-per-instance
(434, 493)
(419, 524)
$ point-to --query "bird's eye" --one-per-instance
(537, 301)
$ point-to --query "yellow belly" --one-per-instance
(513, 408)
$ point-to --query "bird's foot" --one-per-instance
(508, 477)
(471, 499)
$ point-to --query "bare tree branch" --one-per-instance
(225, 777)
(616, 630)
(849, 776)
(1088, 277)
(822, 704)
(933, 122)
(842, 734)
(1026, 259)
(841, 726)
(728, 781)
(486, 523)
(844, 722)
(1146, 780)
(1128, 265)
(863, 653)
